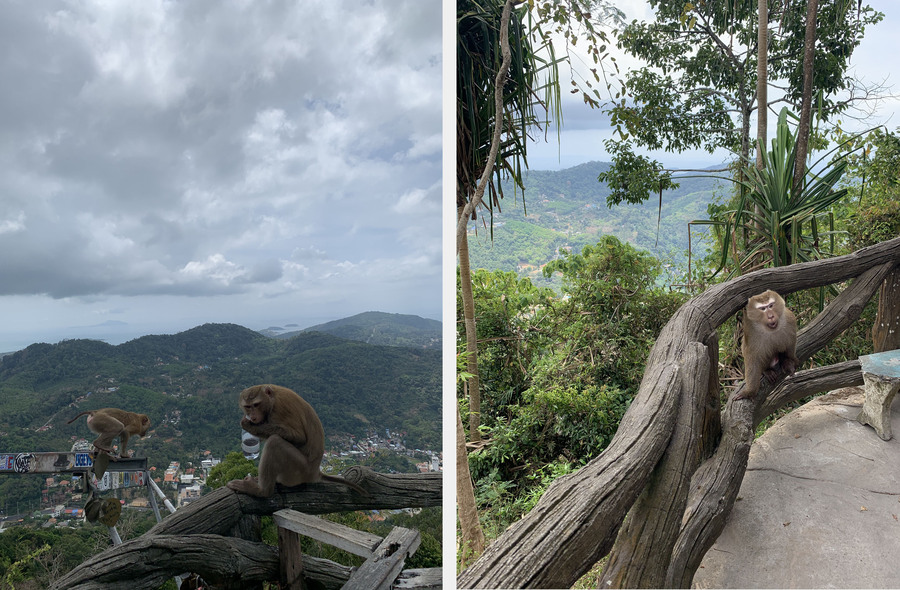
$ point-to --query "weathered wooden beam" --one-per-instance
(66, 462)
(337, 535)
(290, 570)
(810, 382)
(219, 511)
(654, 521)
(379, 571)
(207, 522)
(148, 561)
(420, 579)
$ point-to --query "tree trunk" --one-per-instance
(473, 384)
(886, 331)
(809, 54)
(762, 81)
(465, 492)
(471, 543)
(465, 212)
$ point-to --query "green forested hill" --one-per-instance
(567, 209)
(377, 327)
(188, 384)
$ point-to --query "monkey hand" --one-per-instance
(253, 428)
(263, 430)
(789, 366)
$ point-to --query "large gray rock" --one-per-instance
(818, 507)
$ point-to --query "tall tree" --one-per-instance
(472, 536)
(498, 93)
(699, 90)
(809, 56)
(762, 78)
(490, 105)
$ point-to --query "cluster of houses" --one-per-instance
(63, 499)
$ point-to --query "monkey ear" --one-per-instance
(269, 391)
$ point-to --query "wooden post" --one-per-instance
(291, 568)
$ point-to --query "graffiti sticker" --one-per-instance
(23, 463)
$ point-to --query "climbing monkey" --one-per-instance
(294, 441)
(110, 423)
(770, 341)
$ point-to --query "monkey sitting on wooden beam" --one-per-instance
(294, 441)
(770, 341)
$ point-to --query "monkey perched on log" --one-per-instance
(110, 423)
(770, 341)
(294, 441)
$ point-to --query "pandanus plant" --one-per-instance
(781, 223)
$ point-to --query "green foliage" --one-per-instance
(531, 93)
(31, 558)
(873, 161)
(478, 59)
(633, 178)
(506, 308)
(385, 462)
(611, 316)
(875, 223)
(840, 28)
(234, 466)
(429, 524)
(701, 73)
(502, 503)
(560, 371)
(14, 574)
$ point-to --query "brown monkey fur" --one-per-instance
(770, 341)
(110, 423)
(295, 441)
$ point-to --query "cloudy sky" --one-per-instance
(584, 130)
(167, 164)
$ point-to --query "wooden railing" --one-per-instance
(677, 460)
(216, 536)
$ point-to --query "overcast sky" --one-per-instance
(168, 164)
(584, 130)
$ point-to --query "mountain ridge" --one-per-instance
(377, 327)
(197, 374)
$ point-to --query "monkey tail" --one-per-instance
(345, 482)
(77, 416)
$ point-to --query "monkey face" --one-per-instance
(258, 403)
(256, 410)
(769, 314)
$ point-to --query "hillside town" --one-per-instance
(63, 500)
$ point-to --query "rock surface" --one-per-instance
(819, 506)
